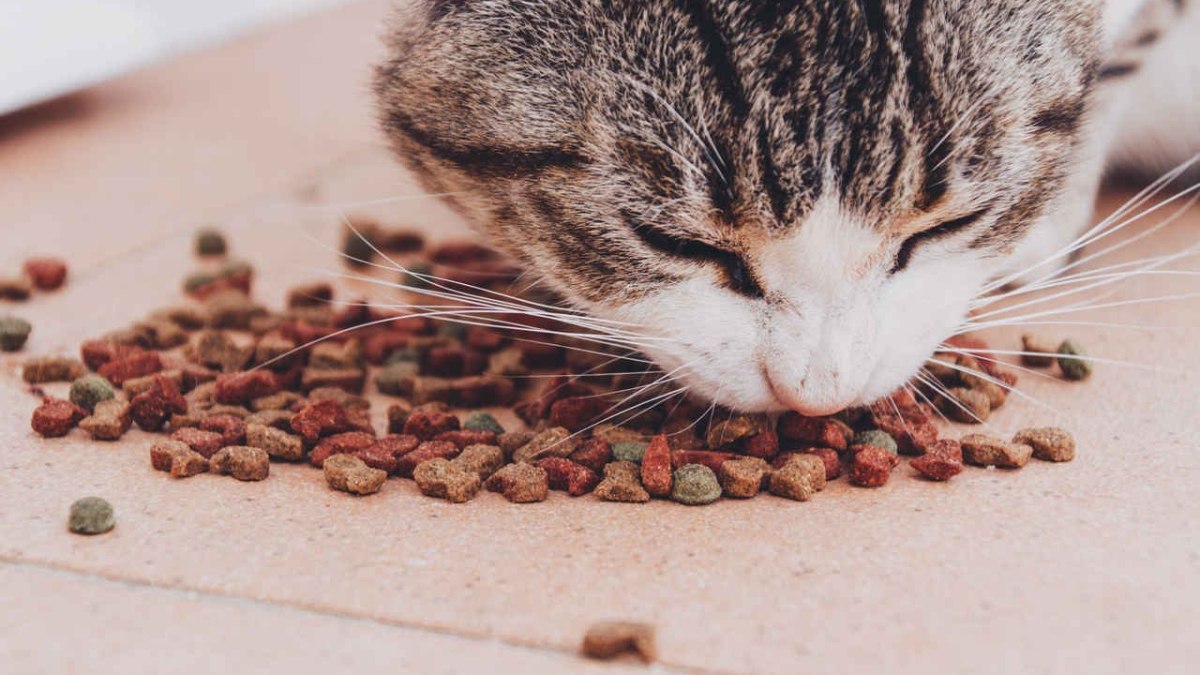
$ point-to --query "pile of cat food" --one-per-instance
(233, 387)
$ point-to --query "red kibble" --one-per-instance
(231, 428)
(96, 353)
(386, 452)
(942, 460)
(578, 412)
(453, 362)
(426, 424)
(541, 356)
(151, 409)
(821, 432)
(130, 367)
(564, 474)
(55, 417)
(239, 388)
(485, 339)
(833, 461)
(593, 453)
(428, 450)
(303, 332)
(380, 345)
(47, 274)
(349, 443)
(913, 433)
(207, 443)
(712, 460)
(656, 467)
(321, 418)
(482, 391)
(764, 445)
(464, 437)
(871, 466)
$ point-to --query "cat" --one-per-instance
(797, 200)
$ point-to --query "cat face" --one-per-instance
(796, 203)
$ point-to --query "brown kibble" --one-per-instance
(15, 288)
(871, 466)
(520, 483)
(426, 422)
(152, 408)
(484, 460)
(608, 639)
(969, 406)
(205, 443)
(136, 365)
(447, 480)
(242, 462)
(1040, 352)
(512, 441)
(764, 445)
(821, 432)
(621, 484)
(277, 443)
(348, 443)
(46, 274)
(734, 429)
(743, 478)
(464, 437)
(593, 453)
(942, 461)
(553, 442)
(231, 427)
(575, 479)
(348, 473)
(1049, 444)
(41, 370)
(656, 467)
(216, 349)
(984, 450)
(385, 454)
(322, 418)
(577, 412)
(108, 422)
(397, 416)
(55, 418)
(241, 388)
(831, 459)
(177, 458)
(406, 463)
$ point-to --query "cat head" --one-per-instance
(797, 201)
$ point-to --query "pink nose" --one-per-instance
(810, 403)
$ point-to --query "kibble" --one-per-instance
(1072, 361)
(609, 639)
(878, 438)
(91, 515)
(743, 478)
(14, 332)
(629, 451)
(277, 443)
(983, 450)
(871, 466)
(348, 473)
(481, 421)
(656, 467)
(46, 274)
(210, 242)
(176, 458)
(942, 461)
(55, 418)
(444, 479)
(1049, 444)
(242, 462)
(52, 369)
(968, 406)
(15, 288)
(89, 390)
(1038, 352)
(108, 422)
(520, 483)
(695, 485)
(483, 460)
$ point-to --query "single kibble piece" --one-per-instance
(55, 418)
(1038, 352)
(764, 445)
(871, 466)
(46, 274)
(983, 450)
(349, 443)
(1072, 361)
(481, 421)
(15, 288)
(205, 443)
(278, 444)
(520, 483)
(210, 242)
(52, 369)
(797, 480)
(484, 460)
(242, 462)
(553, 442)
(91, 515)
(629, 451)
(176, 458)
(968, 406)
(445, 479)
(350, 474)
(743, 478)
(656, 467)
(695, 485)
(13, 333)
(734, 429)
(821, 432)
(406, 463)
(622, 483)
(89, 390)
(609, 639)
(1049, 444)
(151, 409)
(593, 453)
(108, 421)
(563, 474)
(878, 438)
(942, 461)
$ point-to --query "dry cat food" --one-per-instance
(14, 332)
(231, 386)
(609, 639)
(91, 515)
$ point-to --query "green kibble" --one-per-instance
(210, 241)
(13, 333)
(198, 280)
(695, 485)
(878, 438)
(89, 390)
(91, 515)
(397, 379)
(481, 421)
(1073, 368)
(630, 451)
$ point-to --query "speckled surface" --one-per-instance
(1083, 567)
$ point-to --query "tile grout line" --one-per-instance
(222, 596)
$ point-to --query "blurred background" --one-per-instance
(52, 47)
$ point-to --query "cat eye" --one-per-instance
(949, 227)
(738, 276)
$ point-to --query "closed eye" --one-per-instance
(738, 276)
(909, 247)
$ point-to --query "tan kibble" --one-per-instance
(1049, 444)
(983, 450)
(443, 479)
(609, 639)
(350, 474)
(242, 462)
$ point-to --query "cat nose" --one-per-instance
(810, 401)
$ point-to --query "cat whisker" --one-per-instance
(977, 354)
(1002, 384)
